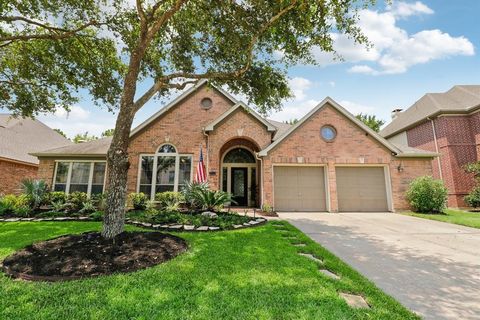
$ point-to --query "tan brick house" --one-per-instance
(328, 161)
(447, 123)
(19, 137)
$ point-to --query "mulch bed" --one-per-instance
(89, 254)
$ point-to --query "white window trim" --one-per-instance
(69, 174)
(155, 163)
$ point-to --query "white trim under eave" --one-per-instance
(348, 115)
(176, 101)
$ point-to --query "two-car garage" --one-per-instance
(305, 188)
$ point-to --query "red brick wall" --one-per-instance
(457, 138)
(46, 170)
(351, 146)
(12, 174)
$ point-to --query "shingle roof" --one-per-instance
(21, 136)
(95, 148)
(459, 99)
(282, 127)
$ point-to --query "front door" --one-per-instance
(239, 186)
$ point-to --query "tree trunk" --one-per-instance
(117, 169)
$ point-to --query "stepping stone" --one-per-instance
(187, 227)
(254, 222)
(27, 219)
(165, 226)
(83, 218)
(311, 257)
(300, 245)
(61, 219)
(213, 228)
(12, 220)
(146, 224)
(329, 274)
(237, 226)
(176, 227)
(202, 228)
(156, 226)
(260, 220)
(354, 301)
(47, 219)
(246, 224)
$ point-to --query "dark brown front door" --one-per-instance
(239, 186)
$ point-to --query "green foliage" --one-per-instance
(100, 201)
(138, 201)
(267, 208)
(108, 133)
(213, 200)
(169, 200)
(473, 198)
(97, 215)
(427, 195)
(83, 137)
(190, 193)
(292, 121)
(75, 201)
(60, 132)
(36, 191)
(88, 207)
(57, 196)
(371, 121)
(18, 206)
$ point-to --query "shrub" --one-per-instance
(212, 200)
(473, 198)
(100, 201)
(427, 195)
(97, 215)
(267, 208)
(190, 193)
(15, 205)
(169, 200)
(138, 201)
(88, 207)
(36, 191)
(7, 204)
(75, 201)
(57, 196)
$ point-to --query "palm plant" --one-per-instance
(212, 200)
(190, 193)
(36, 191)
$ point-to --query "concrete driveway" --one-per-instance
(432, 268)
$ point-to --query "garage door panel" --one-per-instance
(299, 189)
(361, 189)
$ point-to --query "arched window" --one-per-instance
(164, 171)
(239, 155)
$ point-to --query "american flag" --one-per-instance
(200, 176)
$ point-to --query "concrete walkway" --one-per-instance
(432, 268)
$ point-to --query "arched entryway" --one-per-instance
(239, 174)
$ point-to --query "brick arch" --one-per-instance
(238, 142)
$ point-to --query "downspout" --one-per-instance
(436, 149)
(261, 175)
(208, 150)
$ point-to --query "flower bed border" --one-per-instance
(172, 227)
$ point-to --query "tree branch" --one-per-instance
(57, 33)
(160, 22)
(163, 82)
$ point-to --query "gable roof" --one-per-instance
(282, 127)
(94, 148)
(21, 136)
(396, 150)
(459, 99)
(176, 101)
(240, 105)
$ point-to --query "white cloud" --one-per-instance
(295, 110)
(403, 9)
(332, 84)
(394, 50)
(356, 108)
(75, 113)
(299, 85)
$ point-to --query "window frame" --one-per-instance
(155, 165)
(69, 174)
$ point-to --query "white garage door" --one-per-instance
(361, 189)
(299, 189)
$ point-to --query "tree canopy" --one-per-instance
(371, 121)
(51, 51)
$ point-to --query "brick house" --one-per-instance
(447, 123)
(18, 137)
(328, 161)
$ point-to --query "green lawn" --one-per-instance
(464, 218)
(245, 274)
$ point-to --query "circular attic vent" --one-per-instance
(206, 103)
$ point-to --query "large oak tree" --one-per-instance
(50, 50)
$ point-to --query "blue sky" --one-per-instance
(418, 47)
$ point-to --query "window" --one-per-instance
(206, 103)
(82, 176)
(239, 155)
(165, 171)
(328, 133)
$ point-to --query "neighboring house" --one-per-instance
(18, 138)
(328, 161)
(447, 123)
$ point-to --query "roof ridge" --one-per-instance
(462, 87)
